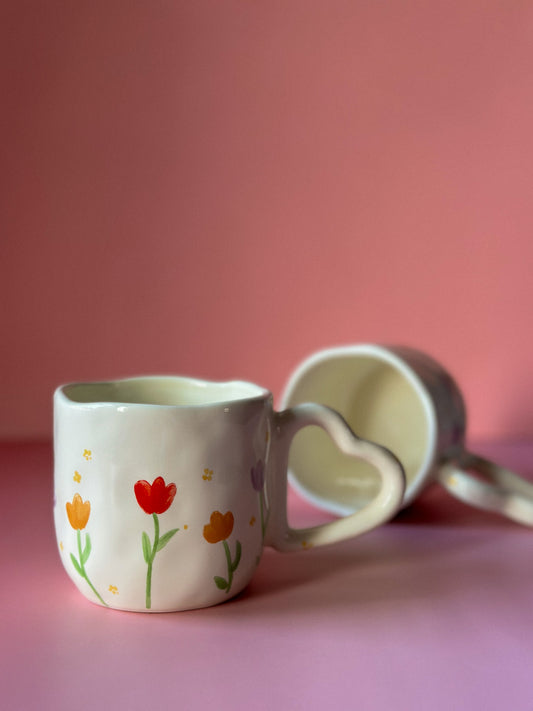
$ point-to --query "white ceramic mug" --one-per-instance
(167, 489)
(404, 400)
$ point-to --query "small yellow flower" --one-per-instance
(185, 527)
(61, 546)
(77, 477)
(87, 454)
(207, 475)
(252, 521)
(113, 589)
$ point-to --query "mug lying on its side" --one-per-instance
(404, 400)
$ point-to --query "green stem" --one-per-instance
(149, 586)
(84, 572)
(150, 564)
(230, 565)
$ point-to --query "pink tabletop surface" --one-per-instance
(433, 611)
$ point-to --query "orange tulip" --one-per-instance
(78, 512)
(219, 527)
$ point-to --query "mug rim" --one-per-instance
(388, 355)
(256, 392)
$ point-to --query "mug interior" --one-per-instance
(382, 401)
(155, 390)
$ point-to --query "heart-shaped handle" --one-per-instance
(386, 503)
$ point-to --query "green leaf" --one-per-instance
(166, 538)
(87, 550)
(76, 564)
(238, 552)
(220, 582)
(147, 547)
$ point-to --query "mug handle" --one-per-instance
(500, 490)
(279, 535)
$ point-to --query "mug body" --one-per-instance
(397, 397)
(161, 489)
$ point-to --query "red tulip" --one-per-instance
(154, 498)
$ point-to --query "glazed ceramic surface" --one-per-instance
(404, 400)
(167, 489)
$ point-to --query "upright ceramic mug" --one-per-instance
(167, 489)
(406, 401)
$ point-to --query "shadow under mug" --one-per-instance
(167, 488)
(404, 400)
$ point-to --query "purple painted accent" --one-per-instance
(257, 474)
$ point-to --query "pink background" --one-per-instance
(220, 188)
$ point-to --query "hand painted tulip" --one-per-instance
(219, 527)
(78, 512)
(154, 498)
